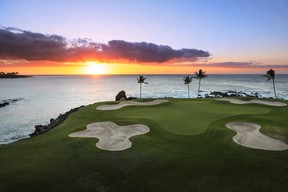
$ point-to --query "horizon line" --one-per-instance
(147, 74)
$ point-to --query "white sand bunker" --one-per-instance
(248, 135)
(112, 137)
(127, 103)
(238, 101)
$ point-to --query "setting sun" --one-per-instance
(94, 68)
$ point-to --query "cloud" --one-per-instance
(148, 52)
(232, 64)
(20, 44)
(30, 46)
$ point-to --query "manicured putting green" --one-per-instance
(188, 117)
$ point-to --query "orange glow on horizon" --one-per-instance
(95, 68)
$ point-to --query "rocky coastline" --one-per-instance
(40, 129)
(6, 102)
(215, 94)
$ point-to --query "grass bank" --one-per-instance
(188, 148)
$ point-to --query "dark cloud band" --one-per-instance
(20, 44)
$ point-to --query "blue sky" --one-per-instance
(231, 30)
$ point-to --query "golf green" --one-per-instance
(182, 118)
(188, 148)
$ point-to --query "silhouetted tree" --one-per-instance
(141, 80)
(12, 75)
(271, 75)
(187, 80)
(200, 75)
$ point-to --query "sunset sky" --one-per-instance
(143, 36)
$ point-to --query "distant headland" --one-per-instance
(12, 75)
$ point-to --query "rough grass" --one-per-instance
(188, 149)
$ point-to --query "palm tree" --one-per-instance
(199, 75)
(271, 75)
(141, 80)
(187, 80)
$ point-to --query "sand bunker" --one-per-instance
(237, 101)
(127, 103)
(248, 135)
(112, 137)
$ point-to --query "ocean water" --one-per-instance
(41, 98)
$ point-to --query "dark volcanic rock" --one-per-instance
(232, 94)
(131, 98)
(39, 129)
(121, 96)
(6, 102)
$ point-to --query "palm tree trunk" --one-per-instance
(274, 88)
(188, 91)
(140, 89)
(199, 87)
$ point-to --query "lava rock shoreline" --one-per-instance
(232, 94)
(8, 101)
(40, 129)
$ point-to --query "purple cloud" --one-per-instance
(21, 44)
(232, 64)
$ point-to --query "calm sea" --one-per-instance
(44, 97)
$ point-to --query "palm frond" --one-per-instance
(270, 74)
(187, 79)
(200, 74)
(141, 79)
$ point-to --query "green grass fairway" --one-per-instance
(187, 149)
